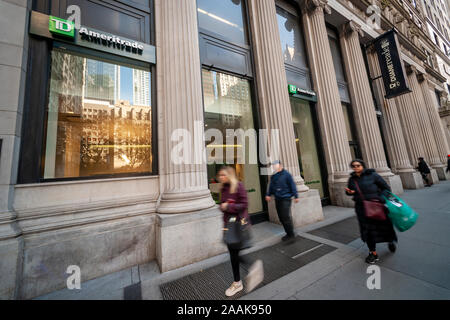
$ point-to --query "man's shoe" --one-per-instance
(255, 276)
(392, 247)
(372, 258)
(235, 288)
(287, 238)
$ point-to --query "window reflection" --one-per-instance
(223, 17)
(291, 38)
(99, 118)
(305, 140)
(228, 105)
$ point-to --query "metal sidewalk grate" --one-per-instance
(279, 260)
(344, 231)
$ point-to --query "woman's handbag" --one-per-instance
(374, 209)
(401, 215)
(237, 233)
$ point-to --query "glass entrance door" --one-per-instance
(309, 161)
(228, 110)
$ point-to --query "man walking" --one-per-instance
(283, 187)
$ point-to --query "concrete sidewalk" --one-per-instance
(419, 269)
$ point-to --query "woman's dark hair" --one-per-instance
(359, 161)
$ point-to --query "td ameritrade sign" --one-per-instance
(64, 31)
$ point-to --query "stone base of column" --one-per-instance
(183, 239)
(441, 173)
(411, 180)
(307, 211)
(11, 253)
(434, 176)
(182, 202)
(394, 181)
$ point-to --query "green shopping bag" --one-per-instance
(401, 215)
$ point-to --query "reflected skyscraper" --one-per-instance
(102, 81)
(141, 88)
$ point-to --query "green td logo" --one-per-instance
(61, 27)
(292, 89)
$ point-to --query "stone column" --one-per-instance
(329, 108)
(424, 126)
(275, 106)
(363, 105)
(13, 70)
(436, 126)
(396, 144)
(184, 187)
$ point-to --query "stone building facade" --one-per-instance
(87, 178)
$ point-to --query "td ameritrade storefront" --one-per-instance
(89, 110)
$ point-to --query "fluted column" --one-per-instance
(329, 108)
(395, 140)
(183, 186)
(273, 94)
(436, 126)
(424, 129)
(363, 105)
(410, 124)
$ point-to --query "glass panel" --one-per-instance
(337, 59)
(224, 17)
(291, 39)
(228, 105)
(99, 119)
(347, 122)
(305, 139)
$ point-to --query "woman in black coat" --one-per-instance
(372, 186)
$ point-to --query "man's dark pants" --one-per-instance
(284, 214)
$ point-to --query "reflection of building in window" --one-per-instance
(141, 88)
(102, 81)
(95, 135)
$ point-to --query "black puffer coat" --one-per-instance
(372, 186)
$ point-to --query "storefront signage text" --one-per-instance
(110, 40)
(65, 31)
(61, 27)
(393, 73)
(295, 90)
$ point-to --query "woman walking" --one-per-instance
(234, 204)
(372, 186)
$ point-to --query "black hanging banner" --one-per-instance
(392, 69)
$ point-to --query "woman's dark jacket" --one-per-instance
(238, 202)
(423, 167)
(372, 186)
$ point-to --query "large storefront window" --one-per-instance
(228, 106)
(307, 150)
(99, 118)
(224, 17)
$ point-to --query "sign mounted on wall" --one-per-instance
(392, 69)
(64, 30)
(61, 27)
(302, 93)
